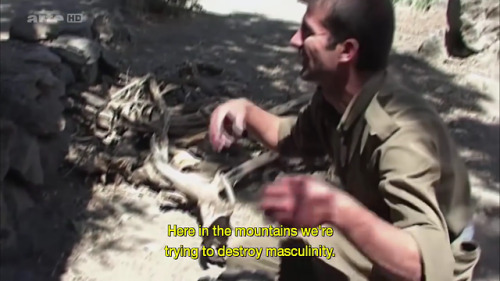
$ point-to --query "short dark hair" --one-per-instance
(370, 22)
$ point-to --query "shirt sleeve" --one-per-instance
(298, 135)
(410, 173)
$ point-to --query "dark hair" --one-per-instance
(370, 22)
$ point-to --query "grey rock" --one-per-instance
(15, 203)
(14, 52)
(81, 54)
(18, 198)
(8, 236)
(7, 134)
(76, 50)
(29, 27)
(40, 25)
(89, 73)
(17, 57)
(41, 55)
(81, 29)
(64, 73)
(24, 156)
(111, 61)
(110, 31)
(32, 100)
(52, 154)
(433, 47)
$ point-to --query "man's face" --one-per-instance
(311, 39)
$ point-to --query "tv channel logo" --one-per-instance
(76, 18)
(55, 17)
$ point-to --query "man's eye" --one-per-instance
(306, 31)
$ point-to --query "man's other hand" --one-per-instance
(303, 201)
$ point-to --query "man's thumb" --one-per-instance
(239, 125)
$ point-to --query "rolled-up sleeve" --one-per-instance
(410, 173)
(285, 127)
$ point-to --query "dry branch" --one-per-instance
(147, 109)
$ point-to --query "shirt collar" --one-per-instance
(359, 104)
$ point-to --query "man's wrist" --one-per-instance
(342, 212)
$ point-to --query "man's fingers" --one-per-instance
(280, 210)
(286, 204)
(225, 140)
(216, 129)
(275, 190)
(239, 125)
(283, 218)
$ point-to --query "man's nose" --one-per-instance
(296, 40)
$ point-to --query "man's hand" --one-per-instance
(303, 201)
(231, 119)
(228, 123)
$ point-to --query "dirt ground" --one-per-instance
(86, 229)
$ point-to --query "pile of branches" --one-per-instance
(151, 130)
(116, 122)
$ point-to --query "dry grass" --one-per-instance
(422, 5)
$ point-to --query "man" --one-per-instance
(402, 197)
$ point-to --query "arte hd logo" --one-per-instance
(52, 17)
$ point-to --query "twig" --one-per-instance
(121, 92)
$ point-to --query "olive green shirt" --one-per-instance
(392, 152)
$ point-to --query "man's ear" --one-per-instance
(350, 48)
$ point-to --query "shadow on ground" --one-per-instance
(255, 51)
(65, 212)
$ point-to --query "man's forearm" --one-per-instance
(263, 125)
(389, 248)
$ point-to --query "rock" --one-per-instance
(52, 153)
(17, 56)
(32, 100)
(30, 27)
(24, 156)
(89, 73)
(76, 50)
(80, 29)
(8, 236)
(14, 203)
(433, 47)
(46, 25)
(7, 133)
(42, 55)
(64, 73)
(17, 198)
(81, 54)
(110, 63)
(110, 32)
(473, 26)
